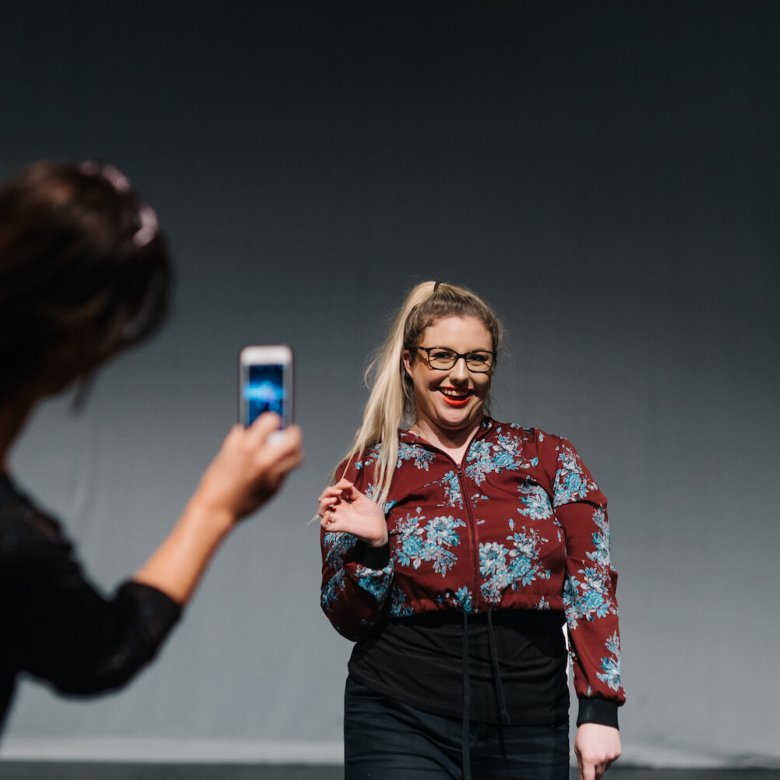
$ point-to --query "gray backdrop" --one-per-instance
(605, 174)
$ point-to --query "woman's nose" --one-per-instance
(459, 372)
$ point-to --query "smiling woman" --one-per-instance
(454, 547)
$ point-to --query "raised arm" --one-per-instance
(64, 631)
(356, 569)
(246, 472)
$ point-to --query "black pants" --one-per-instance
(387, 740)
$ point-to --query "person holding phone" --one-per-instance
(454, 548)
(85, 274)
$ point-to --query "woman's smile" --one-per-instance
(455, 397)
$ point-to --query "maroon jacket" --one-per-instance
(519, 524)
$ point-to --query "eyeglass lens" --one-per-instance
(447, 358)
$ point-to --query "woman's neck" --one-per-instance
(454, 443)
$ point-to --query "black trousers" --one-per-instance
(387, 740)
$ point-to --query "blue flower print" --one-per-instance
(337, 544)
(589, 597)
(331, 591)
(600, 555)
(441, 531)
(371, 456)
(429, 543)
(610, 665)
(478, 460)
(571, 481)
(592, 601)
(484, 458)
(536, 502)
(398, 605)
(578, 602)
(492, 559)
(493, 568)
(422, 458)
(372, 581)
(461, 599)
(586, 598)
(525, 557)
(571, 597)
(503, 460)
(451, 486)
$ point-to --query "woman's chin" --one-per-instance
(460, 419)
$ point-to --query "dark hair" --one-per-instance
(81, 258)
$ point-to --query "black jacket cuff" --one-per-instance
(372, 557)
(598, 710)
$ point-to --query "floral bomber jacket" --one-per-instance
(520, 524)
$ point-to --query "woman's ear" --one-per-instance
(407, 358)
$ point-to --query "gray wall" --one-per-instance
(606, 174)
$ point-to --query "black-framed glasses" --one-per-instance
(480, 361)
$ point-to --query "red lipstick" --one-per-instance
(456, 402)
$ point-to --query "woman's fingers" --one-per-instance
(336, 490)
(335, 521)
(259, 431)
(284, 447)
(343, 490)
(342, 507)
(250, 467)
(330, 493)
(369, 526)
(593, 771)
(329, 499)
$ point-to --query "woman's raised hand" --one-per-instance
(250, 467)
(342, 507)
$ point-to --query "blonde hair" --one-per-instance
(391, 397)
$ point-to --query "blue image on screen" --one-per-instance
(264, 391)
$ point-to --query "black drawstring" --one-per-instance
(500, 700)
(503, 713)
(465, 747)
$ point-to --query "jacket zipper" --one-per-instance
(472, 536)
(472, 525)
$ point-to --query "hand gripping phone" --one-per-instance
(265, 382)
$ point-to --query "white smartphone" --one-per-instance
(265, 382)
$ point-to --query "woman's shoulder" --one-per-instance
(528, 434)
(358, 461)
(540, 449)
(27, 533)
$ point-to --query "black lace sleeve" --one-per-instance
(56, 625)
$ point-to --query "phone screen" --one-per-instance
(264, 391)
